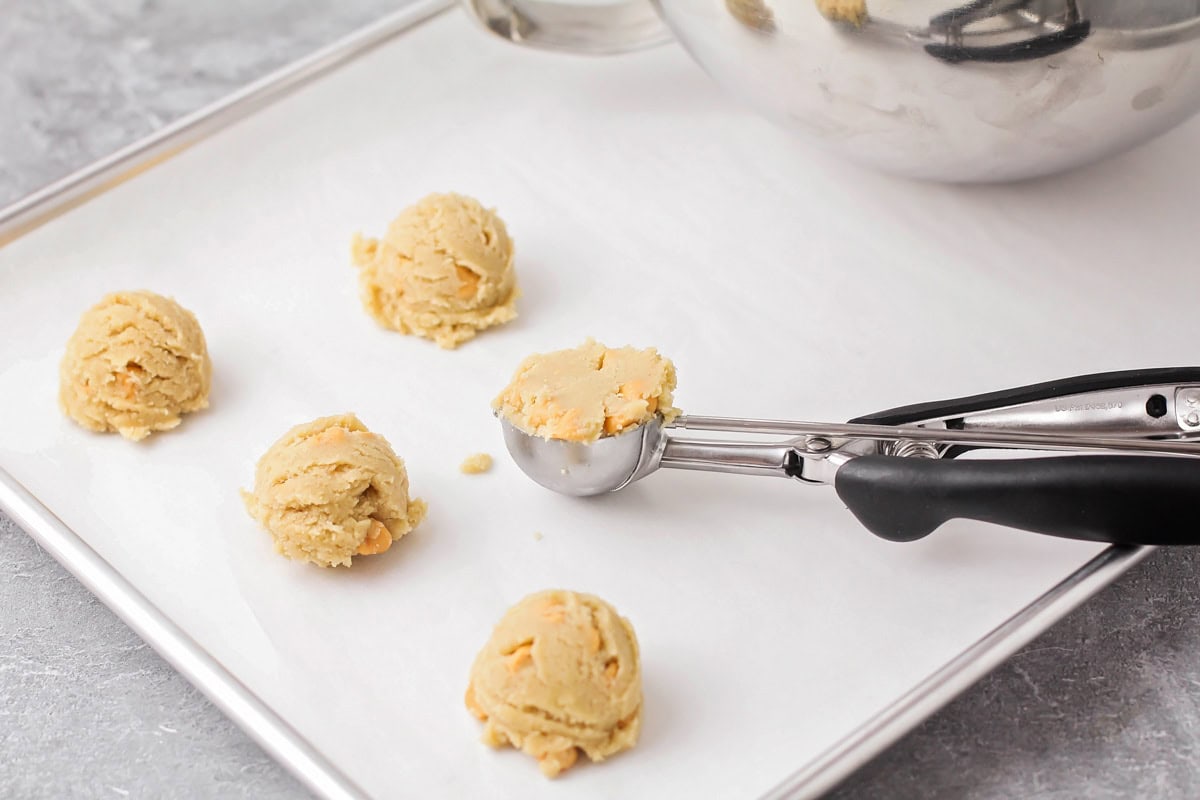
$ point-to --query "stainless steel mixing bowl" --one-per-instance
(990, 90)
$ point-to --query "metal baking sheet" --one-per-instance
(782, 644)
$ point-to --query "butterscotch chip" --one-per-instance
(559, 675)
(587, 392)
(329, 490)
(378, 540)
(136, 364)
(444, 271)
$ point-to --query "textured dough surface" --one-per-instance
(329, 490)
(560, 672)
(584, 393)
(136, 364)
(852, 11)
(444, 271)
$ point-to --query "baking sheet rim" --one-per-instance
(257, 719)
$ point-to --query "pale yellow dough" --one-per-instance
(444, 271)
(559, 674)
(136, 364)
(852, 11)
(587, 392)
(754, 14)
(329, 490)
(476, 464)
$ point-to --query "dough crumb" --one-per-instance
(537, 536)
(852, 11)
(329, 490)
(559, 675)
(754, 14)
(587, 392)
(136, 364)
(444, 271)
(476, 464)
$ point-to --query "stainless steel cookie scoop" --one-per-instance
(1130, 473)
(587, 468)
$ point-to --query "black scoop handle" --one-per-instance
(1026, 50)
(1150, 500)
(1064, 387)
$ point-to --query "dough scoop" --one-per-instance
(1125, 469)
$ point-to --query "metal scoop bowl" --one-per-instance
(613, 462)
(587, 468)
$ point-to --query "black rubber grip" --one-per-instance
(1117, 499)
(922, 412)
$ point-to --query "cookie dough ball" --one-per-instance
(581, 394)
(559, 674)
(329, 490)
(444, 270)
(136, 364)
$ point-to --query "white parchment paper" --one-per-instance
(649, 209)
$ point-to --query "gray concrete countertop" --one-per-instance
(1105, 705)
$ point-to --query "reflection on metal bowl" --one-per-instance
(989, 90)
